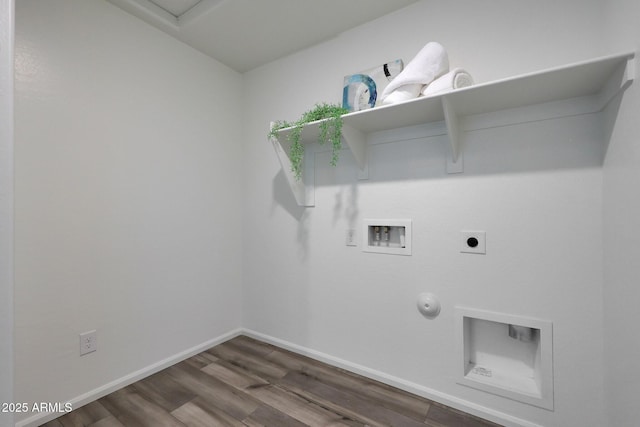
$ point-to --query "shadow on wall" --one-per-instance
(574, 142)
(282, 197)
(546, 145)
(610, 116)
(346, 205)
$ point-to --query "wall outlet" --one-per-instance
(473, 242)
(351, 237)
(88, 342)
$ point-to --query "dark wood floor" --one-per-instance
(245, 382)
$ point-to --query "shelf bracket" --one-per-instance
(618, 82)
(357, 143)
(629, 72)
(454, 165)
(304, 194)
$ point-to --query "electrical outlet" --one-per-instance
(351, 237)
(88, 342)
(473, 242)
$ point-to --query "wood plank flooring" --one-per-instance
(245, 382)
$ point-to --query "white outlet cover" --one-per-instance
(88, 342)
(467, 246)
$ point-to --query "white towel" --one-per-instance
(454, 79)
(403, 93)
(430, 63)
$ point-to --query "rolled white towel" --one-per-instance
(430, 63)
(403, 93)
(454, 79)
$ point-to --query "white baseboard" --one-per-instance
(101, 391)
(417, 389)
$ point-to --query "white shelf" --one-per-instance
(579, 88)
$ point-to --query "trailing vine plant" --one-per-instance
(330, 132)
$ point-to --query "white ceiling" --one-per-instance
(176, 7)
(245, 34)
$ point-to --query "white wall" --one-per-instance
(127, 218)
(6, 206)
(127, 197)
(536, 189)
(622, 230)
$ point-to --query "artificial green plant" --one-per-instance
(330, 131)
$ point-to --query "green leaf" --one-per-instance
(330, 131)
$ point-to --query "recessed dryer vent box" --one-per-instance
(506, 355)
(387, 236)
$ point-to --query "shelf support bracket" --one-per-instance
(618, 82)
(629, 72)
(357, 143)
(454, 165)
(301, 192)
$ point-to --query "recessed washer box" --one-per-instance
(506, 355)
(387, 236)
